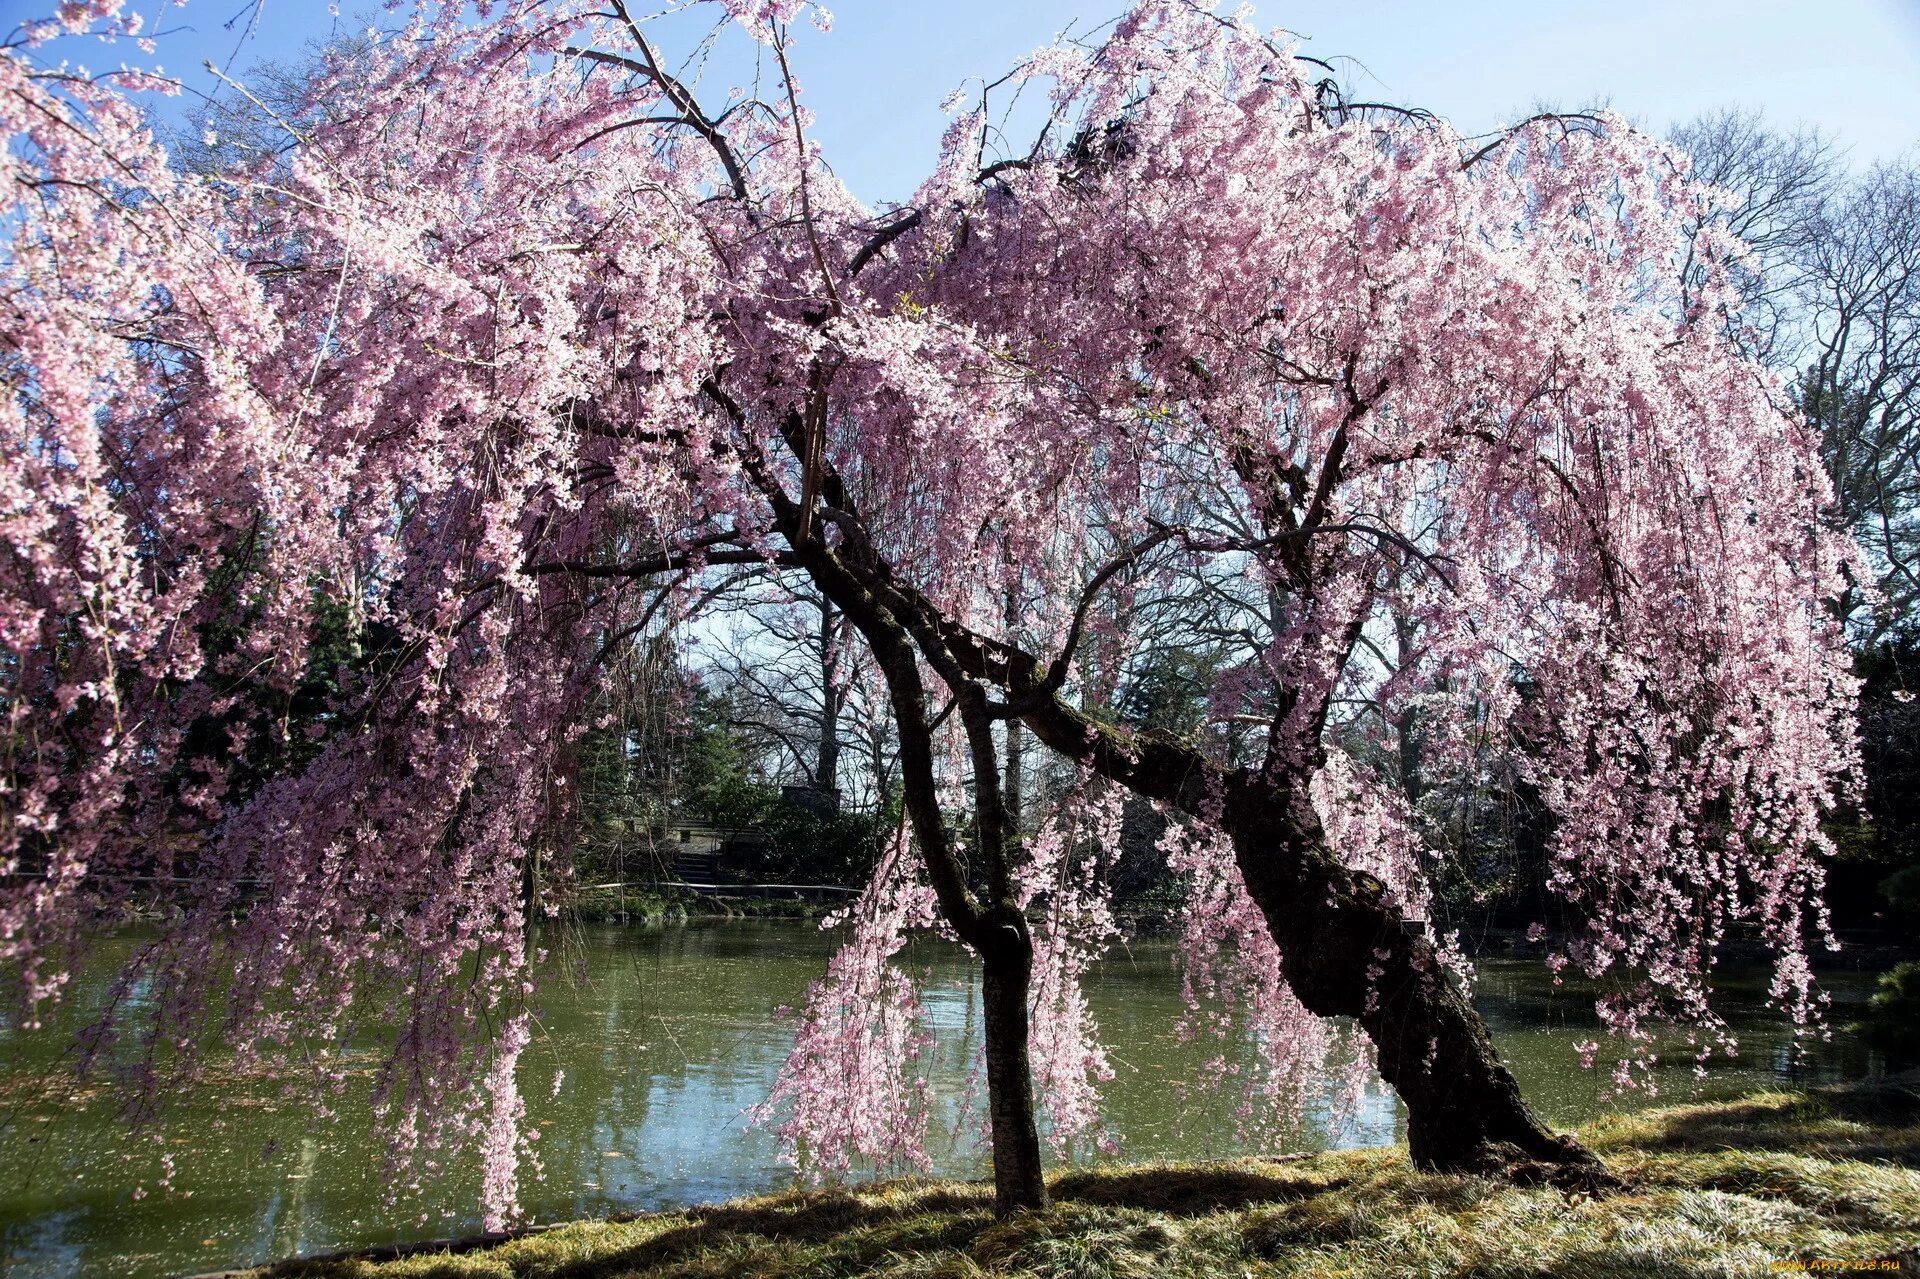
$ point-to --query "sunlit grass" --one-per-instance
(1734, 1188)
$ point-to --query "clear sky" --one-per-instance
(1851, 67)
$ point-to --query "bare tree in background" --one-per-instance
(1834, 302)
(1782, 185)
(793, 675)
(1862, 384)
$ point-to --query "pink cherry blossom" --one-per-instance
(408, 420)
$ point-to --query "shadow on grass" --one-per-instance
(1606, 1263)
(1195, 1190)
(1715, 1187)
(1874, 1122)
(949, 1226)
(833, 1231)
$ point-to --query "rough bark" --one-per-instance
(894, 625)
(826, 767)
(1006, 959)
(1005, 945)
(1331, 924)
(1016, 777)
(1016, 744)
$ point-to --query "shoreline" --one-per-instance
(1860, 951)
(1766, 1182)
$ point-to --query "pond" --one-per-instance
(668, 1037)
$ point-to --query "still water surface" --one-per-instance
(664, 1038)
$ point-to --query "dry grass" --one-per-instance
(1735, 1188)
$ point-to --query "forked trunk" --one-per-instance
(997, 930)
(1332, 924)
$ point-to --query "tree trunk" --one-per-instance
(1014, 786)
(1006, 961)
(1334, 926)
(894, 624)
(1015, 779)
(997, 931)
(1331, 924)
(826, 768)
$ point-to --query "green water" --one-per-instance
(672, 1033)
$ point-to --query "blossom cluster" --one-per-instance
(329, 478)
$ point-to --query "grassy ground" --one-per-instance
(1771, 1184)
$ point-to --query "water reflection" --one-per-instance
(664, 1037)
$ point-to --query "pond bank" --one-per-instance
(1771, 1183)
(659, 1039)
(1870, 950)
(670, 904)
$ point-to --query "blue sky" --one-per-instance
(1851, 67)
